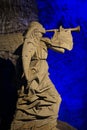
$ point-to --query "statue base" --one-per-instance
(64, 126)
(41, 125)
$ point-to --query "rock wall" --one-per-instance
(15, 15)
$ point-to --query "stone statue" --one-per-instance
(38, 101)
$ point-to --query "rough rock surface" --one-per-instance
(15, 15)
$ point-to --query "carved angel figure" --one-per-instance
(38, 106)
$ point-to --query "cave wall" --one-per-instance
(15, 15)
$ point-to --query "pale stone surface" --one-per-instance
(10, 42)
(38, 103)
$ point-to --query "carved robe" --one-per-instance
(38, 103)
(42, 100)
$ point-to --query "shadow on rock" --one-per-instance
(8, 93)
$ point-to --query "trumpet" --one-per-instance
(61, 28)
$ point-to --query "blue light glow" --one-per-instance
(69, 71)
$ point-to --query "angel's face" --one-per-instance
(38, 34)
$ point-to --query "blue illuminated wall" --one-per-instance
(68, 71)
